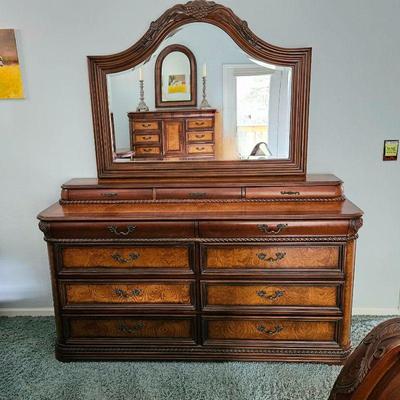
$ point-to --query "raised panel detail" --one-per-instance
(173, 137)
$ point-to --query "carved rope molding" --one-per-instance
(376, 344)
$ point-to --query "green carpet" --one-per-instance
(28, 370)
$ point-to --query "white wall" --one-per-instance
(355, 102)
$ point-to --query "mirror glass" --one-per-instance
(248, 113)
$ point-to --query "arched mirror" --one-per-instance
(249, 116)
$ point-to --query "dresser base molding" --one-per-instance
(314, 353)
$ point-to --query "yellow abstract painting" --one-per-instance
(11, 84)
(177, 84)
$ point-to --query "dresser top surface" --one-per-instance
(202, 211)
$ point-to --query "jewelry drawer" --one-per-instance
(128, 293)
(128, 230)
(147, 138)
(145, 125)
(199, 193)
(144, 151)
(294, 192)
(200, 148)
(268, 229)
(205, 136)
(217, 258)
(262, 296)
(140, 258)
(199, 123)
(257, 330)
(107, 194)
(131, 328)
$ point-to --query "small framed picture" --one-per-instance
(390, 150)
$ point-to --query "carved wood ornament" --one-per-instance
(224, 18)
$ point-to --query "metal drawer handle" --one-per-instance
(126, 329)
(197, 195)
(271, 230)
(199, 123)
(291, 193)
(200, 136)
(132, 257)
(278, 256)
(263, 294)
(109, 194)
(130, 229)
(146, 125)
(270, 332)
(125, 294)
(147, 150)
(146, 137)
(200, 148)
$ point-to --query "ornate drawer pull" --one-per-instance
(126, 329)
(200, 148)
(125, 294)
(275, 296)
(263, 329)
(200, 136)
(199, 123)
(147, 150)
(109, 194)
(278, 256)
(270, 230)
(130, 229)
(146, 137)
(197, 195)
(146, 125)
(291, 193)
(132, 257)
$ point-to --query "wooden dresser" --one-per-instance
(228, 272)
(185, 133)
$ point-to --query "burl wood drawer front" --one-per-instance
(260, 329)
(200, 148)
(293, 192)
(225, 295)
(110, 194)
(122, 230)
(145, 125)
(268, 229)
(147, 151)
(153, 328)
(199, 123)
(199, 193)
(151, 138)
(128, 257)
(139, 293)
(264, 257)
(206, 136)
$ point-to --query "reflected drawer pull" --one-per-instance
(109, 194)
(147, 150)
(200, 136)
(146, 137)
(125, 294)
(115, 231)
(199, 123)
(126, 329)
(291, 193)
(197, 195)
(146, 125)
(132, 257)
(263, 329)
(275, 296)
(267, 229)
(278, 256)
(200, 148)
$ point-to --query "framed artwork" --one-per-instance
(11, 85)
(176, 77)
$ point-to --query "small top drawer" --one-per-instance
(106, 194)
(294, 192)
(199, 193)
(145, 125)
(147, 138)
(199, 123)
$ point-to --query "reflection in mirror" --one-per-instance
(250, 99)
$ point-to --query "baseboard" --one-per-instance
(375, 311)
(26, 312)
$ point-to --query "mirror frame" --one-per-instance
(160, 103)
(251, 170)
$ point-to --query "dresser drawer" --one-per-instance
(205, 136)
(199, 193)
(266, 296)
(259, 257)
(268, 229)
(107, 194)
(121, 230)
(140, 258)
(147, 151)
(200, 148)
(129, 293)
(147, 138)
(258, 329)
(134, 328)
(294, 192)
(145, 125)
(199, 123)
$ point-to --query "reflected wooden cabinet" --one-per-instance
(181, 134)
